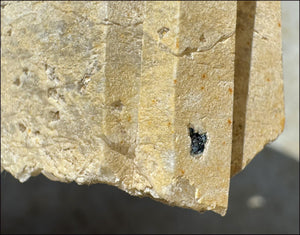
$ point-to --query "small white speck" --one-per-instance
(256, 201)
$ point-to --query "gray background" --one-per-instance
(264, 198)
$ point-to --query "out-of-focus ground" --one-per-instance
(264, 198)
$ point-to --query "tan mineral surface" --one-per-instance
(161, 99)
(258, 85)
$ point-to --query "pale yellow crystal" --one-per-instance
(105, 92)
(258, 88)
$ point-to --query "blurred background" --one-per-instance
(264, 198)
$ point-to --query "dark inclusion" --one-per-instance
(197, 142)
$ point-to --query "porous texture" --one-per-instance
(108, 92)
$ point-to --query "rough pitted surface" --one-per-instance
(108, 92)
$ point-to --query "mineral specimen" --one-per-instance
(161, 99)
